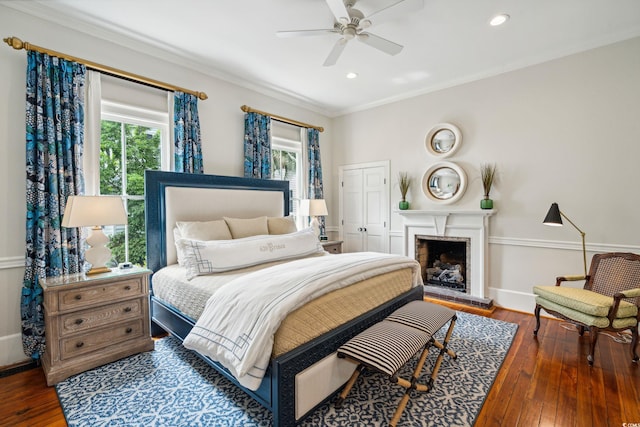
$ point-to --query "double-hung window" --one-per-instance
(132, 141)
(287, 162)
(127, 132)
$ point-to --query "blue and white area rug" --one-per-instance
(172, 387)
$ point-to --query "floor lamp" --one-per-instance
(94, 212)
(554, 218)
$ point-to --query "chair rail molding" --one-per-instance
(11, 262)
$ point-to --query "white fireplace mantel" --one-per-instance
(471, 224)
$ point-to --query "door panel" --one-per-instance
(364, 208)
(352, 211)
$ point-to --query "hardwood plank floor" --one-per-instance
(542, 382)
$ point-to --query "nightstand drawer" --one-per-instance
(78, 298)
(333, 246)
(95, 340)
(107, 315)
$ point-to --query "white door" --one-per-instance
(364, 207)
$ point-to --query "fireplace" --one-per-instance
(444, 261)
(461, 229)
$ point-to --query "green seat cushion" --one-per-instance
(584, 301)
(585, 319)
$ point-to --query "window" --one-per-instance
(132, 140)
(287, 162)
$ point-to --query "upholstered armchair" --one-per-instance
(609, 300)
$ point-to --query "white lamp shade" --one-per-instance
(89, 211)
(313, 207)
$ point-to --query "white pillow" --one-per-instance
(200, 258)
(281, 225)
(204, 230)
(241, 227)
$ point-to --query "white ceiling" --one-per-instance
(448, 42)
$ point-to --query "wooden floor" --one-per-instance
(543, 382)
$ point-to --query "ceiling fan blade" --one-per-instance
(397, 10)
(379, 43)
(306, 33)
(335, 53)
(339, 10)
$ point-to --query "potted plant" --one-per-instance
(404, 182)
(488, 175)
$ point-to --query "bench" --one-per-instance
(388, 345)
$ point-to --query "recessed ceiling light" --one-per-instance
(352, 75)
(499, 19)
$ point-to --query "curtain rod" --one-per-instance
(248, 109)
(18, 44)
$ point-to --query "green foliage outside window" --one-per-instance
(142, 149)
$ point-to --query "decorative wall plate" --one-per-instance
(444, 182)
(443, 140)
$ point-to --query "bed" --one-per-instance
(297, 379)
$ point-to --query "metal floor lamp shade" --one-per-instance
(554, 218)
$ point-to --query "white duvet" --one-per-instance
(239, 321)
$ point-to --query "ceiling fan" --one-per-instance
(350, 23)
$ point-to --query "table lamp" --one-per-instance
(94, 212)
(314, 208)
(554, 218)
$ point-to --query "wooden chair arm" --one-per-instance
(570, 278)
(617, 297)
(630, 293)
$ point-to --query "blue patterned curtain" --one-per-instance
(315, 169)
(188, 147)
(257, 146)
(54, 137)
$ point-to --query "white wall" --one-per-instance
(220, 117)
(564, 131)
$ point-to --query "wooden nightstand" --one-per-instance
(332, 246)
(94, 320)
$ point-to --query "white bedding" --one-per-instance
(240, 319)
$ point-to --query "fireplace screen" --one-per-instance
(444, 261)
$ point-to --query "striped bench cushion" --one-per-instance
(422, 315)
(385, 346)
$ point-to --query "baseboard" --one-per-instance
(6, 371)
(11, 353)
(513, 300)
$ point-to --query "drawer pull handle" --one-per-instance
(79, 344)
(127, 309)
(78, 297)
(127, 288)
(79, 321)
(129, 330)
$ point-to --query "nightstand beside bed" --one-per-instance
(94, 320)
(332, 246)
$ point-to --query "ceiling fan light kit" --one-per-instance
(350, 23)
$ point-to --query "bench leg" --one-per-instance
(443, 349)
(349, 386)
(410, 385)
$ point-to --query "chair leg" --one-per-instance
(537, 313)
(634, 344)
(593, 331)
(580, 330)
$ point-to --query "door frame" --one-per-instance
(386, 164)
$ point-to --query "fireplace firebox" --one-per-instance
(444, 261)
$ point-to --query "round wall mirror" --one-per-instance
(443, 140)
(444, 182)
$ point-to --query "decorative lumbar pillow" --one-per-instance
(241, 227)
(281, 225)
(214, 256)
(204, 230)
